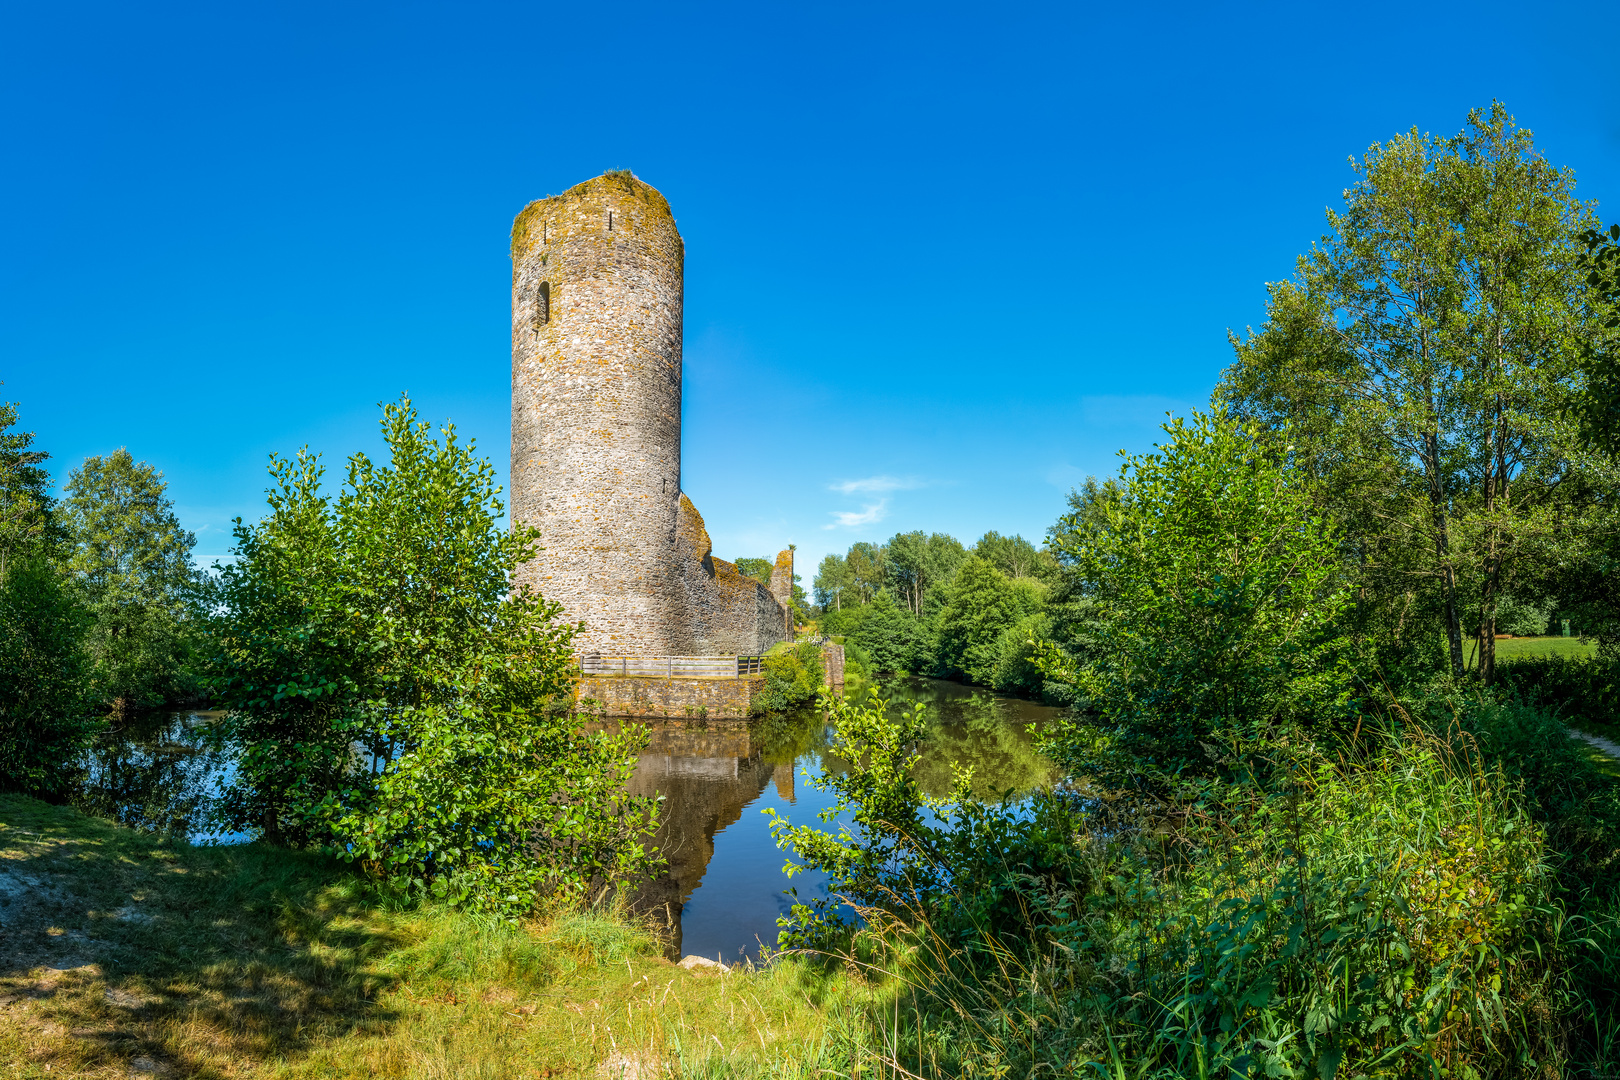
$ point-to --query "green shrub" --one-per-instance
(1219, 604)
(1585, 689)
(1385, 913)
(793, 677)
(382, 620)
(842, 623)
(1389, 910)
(891, 635)
(981, 604)
(1016, 652)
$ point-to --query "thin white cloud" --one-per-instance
(873, 512)
(876, 484)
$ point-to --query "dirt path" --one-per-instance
(1603, 745)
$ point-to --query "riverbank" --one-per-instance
(123, 952)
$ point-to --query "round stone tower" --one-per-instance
(596, 410)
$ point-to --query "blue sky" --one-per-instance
(942, 261)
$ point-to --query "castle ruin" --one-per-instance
(597, 280)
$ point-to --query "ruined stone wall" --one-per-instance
(832, 667)
(596, 409)
(726, 610)
(782, 588)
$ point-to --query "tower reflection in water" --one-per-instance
(715, 778)
(723, 889)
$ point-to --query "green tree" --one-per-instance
(1218, 601)
(1424, 362)
(1018, 668)
(920, 562)
(1014, 556)
(891, 635)
(758, 569)
(869, 570)
(45, 718)
(382, 619)
(131, 561)
(1599, 408)
(833, 579)
(26, 521)
(982, 603)
(46, 721)
(1583, 560)
(291, 665)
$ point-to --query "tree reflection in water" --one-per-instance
(152, 773)
(723, 887)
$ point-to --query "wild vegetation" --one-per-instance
(1302, 815)
(1312, 823)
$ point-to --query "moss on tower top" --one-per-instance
(619, 181)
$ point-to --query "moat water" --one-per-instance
(723, 888)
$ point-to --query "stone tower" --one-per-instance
(596, 432)
(596, 407)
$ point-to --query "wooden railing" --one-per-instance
(672, 667)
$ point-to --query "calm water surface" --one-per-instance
(723, 888)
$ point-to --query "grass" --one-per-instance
(1607, 764)
(123, 952)
(1513, 648)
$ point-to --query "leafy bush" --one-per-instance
(841, 623)
(1582, 688)
(908, 855)
(1579, 807)
(791, 678)
(981, 604)
(891, 635)
(1017, 654)
(382, 621)
(1218, 603)
(1522, 618)
(1390, 910)
(856, 660)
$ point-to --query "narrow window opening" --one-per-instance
(545, 232)
(542, 305)
(610, 221)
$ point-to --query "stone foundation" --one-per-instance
(678, 698)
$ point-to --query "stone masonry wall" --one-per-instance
(727, 611)
(596, 409)
(832, 667)
(782, 587)
(597, 282)
(719, 699)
